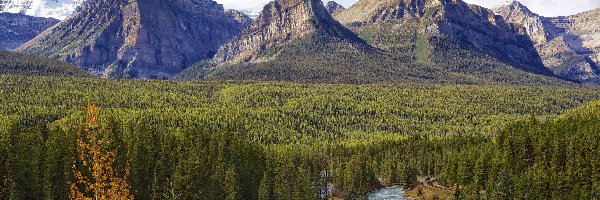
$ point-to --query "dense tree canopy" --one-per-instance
(269, 140)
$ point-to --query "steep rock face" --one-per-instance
(297, 40)
(569, 46)
(333, 7)
(531, 23)
(16, 29)
(58, 9)
(243, 19)
(137, 38)
(424, 26)
(281, 22)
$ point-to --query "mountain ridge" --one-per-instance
(567, 45)
(280, 22)
(16, 29)
(333, 7)
(138, 38)
(414, 25)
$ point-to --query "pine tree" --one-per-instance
(265, 191)
(231, 184)
(304, 189)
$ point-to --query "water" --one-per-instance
(390, 193)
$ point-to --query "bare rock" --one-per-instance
(137, 38)
(16, 29)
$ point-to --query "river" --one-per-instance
(390, 193)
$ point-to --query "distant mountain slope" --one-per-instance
(333, 7)
(291, 40)
(137, 38)
(239, 16)
(16, 29)
(58, 9)
(20, 64)
(570, 46)
(297, 40)
(439, 32)
(280, 23)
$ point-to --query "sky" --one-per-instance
(548, 8)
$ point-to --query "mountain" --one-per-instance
(333, 7)
(442, 33)
(298, 40)
(290, 40)
(58, 9)
(16, 29)
(19, 64)
(281, 22)
(569, 46)
(239, 16)
(138, 38)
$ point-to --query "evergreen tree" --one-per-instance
(231, 184)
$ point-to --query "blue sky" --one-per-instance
(543, 7)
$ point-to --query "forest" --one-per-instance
(67, 137)
(21, 64)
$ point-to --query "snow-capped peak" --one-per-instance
(59, 9)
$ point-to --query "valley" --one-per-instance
(359, 134)
(299, 100)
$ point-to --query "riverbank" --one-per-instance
(429, 191)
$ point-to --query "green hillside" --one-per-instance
(308, 60)
(20, 64)
(553, 159)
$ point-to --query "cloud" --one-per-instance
(543, 7)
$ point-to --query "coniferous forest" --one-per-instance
(63, 137)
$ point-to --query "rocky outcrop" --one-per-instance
(16, 29)
(417, 25)
(526, 21)
(281, 22)
(334, 8)
(243, 19)
(138, 38)
(569, 46)
(299, 41)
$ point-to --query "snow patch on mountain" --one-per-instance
(251, 12)
(58, 9)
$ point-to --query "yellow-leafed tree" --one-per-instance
(94, 173)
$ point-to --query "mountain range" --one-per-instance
(569, 46)
(298, 40)
(138, 38)
(425, 29)
(447, 41)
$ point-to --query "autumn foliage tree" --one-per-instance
(94, 173)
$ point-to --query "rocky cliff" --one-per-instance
(239, 16)
(569, 46)
(333, 7)
(16, 29)
(421, 28)
(281, 22)
(298, 40)
(138, 38)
